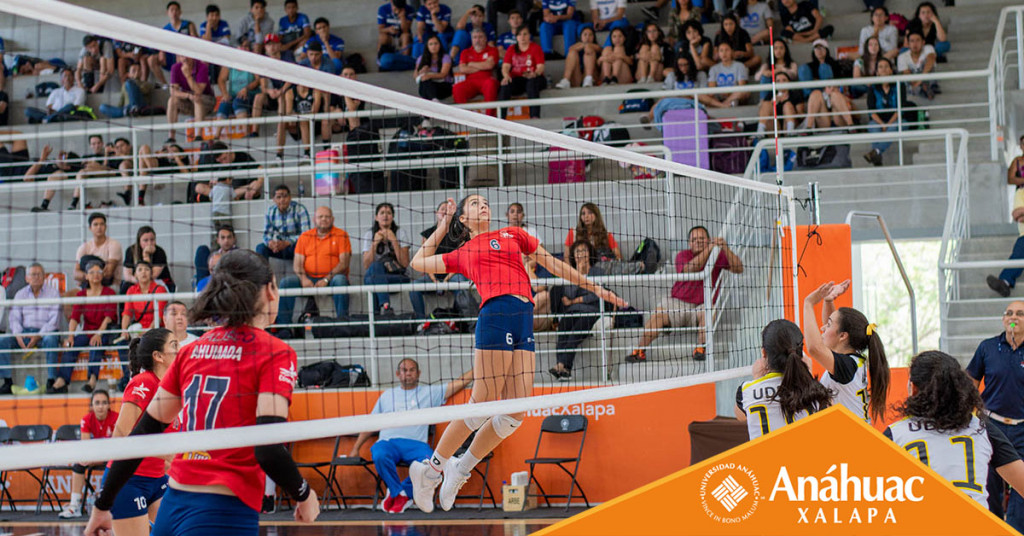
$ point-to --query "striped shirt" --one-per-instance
(287, 225)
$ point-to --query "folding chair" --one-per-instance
(31, 433)
(67, 432)
(485, 488)
(334, 491)
(5, 437)
(560, 425)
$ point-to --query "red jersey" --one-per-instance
(494, 262)
(524, 62)
(142, 311)
(96, 428)
(470, 55)
(693, 291)
(219, 378)
(140, 391)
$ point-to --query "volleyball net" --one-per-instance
(276, 140)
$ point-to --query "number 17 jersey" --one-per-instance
(219, 378)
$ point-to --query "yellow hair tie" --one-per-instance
(871, 329)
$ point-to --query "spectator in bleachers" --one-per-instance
(385, 255)
(128, 54)
(102, 248)
(161, 61)
(294, 27)
(26, 65)
(322, 257)
(408, 443)
(191, 92)
(214, 28)
(560, 17)
(447, 245)
(113, 159)
(14, 159)
(332, 46)
(434, 72)
(739, 40)
(887, 35)
(802, 22)
(339, 103)
(653, 53)
(590, 227)
(783, 63)
(33, 326)
(926, 20)
(273, 93)
(783, 107)
(207, 260)
(5, 104)
(685, 306)
(683, 11)
(701, 49)
(508, 39)
(882, 103)
(522, 7)
(65, 165)
(176, 320)
(238, 89)
(827, 107)
(284, 222)
(866, 65)
(94, 67)
(61, 102)
(522, 71)
(608, 15)
(4, 72)
(171, 158)
(726, 73)
(248, 187)
(98, 423)
(145, 249)
(472, 18)
(581, 62)
(138, 316)
(684, 75)
(94, 319)
(918, 59)
(616, 62)
(314, 57)
(255, 25)
(307, 101)
(756, 18)
(394, 36)
(1007, 279)
(574, 300)
(432, 18)
(477, 66)
(134, 98)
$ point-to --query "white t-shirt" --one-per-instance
(402, 235)
(61, 97)
(532, 231)
(189, 339)
(398, 399)
(906, 63)
(888, 38)
(607, 9)
(757, 18)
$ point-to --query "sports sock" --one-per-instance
(467, 462)
(76, 500)
(438, 462)
(45, 203)
(760, 128)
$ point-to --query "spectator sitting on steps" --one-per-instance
(1003, 285)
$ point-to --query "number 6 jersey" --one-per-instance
(960, 456)
(219, 378)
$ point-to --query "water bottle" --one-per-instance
(302, 188)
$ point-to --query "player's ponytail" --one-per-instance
(457, 231)
(783, 341)
(946, 397)
(141, 349)
(863, 336)
(233, 293)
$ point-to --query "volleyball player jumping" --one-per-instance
(150, 356)
(503, 362)
(839, 346)
(235, 375)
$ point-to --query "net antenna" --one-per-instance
(756, 210)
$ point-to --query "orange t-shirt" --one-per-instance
(322, 253)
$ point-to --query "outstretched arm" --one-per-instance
(425, 260)
(564, 271)
(812, 335)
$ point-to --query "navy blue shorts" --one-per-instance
(505, 323)
(137, 496)
(185, 513)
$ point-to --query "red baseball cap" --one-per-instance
(271, 38)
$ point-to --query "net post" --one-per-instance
(373, 331)
(604, 341)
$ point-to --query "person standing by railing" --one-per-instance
(94, 318)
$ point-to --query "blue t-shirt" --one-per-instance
(506, 40)
(386, 16)
(326, 65)
(398, 399)
(223, 31)
(444, 13)
(558, 7)
(182, 28)
(1002, 369)
(1, 45)
(333, 43)
(290, 30)
(492, 36)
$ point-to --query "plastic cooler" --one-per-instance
(325, 180)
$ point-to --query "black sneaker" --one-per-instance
(5, 388)
(826, 31)
(638, 356)
(269, 505)
(553, 56)
(39, 209)
(126, 196)
(998, 285)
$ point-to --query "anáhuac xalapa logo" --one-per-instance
(729, 492)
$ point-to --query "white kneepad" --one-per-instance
(474, 423)
(504, 425)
